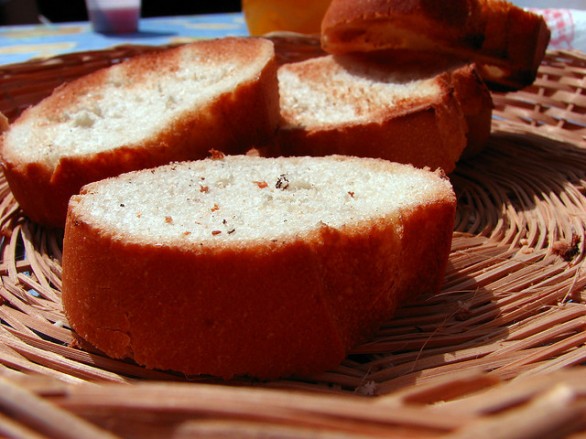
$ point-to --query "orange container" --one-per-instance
(304, 16)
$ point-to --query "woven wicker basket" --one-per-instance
(500, 352)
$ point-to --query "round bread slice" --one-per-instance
(251, 266)
(355, 106)
(175, 104)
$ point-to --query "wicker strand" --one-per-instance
(46, 417)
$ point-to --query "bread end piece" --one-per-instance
(507, 42)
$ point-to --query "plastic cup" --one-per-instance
(114, 16)
(303, 16)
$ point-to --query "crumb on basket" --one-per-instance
(567, 249)
(367, 389)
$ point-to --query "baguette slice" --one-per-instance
(253, 266)
(173, 105)
(507, 42)
(401, 112)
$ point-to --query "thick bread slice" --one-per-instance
(355, 106)
(507, 42)
(173, 105)
(251, 266)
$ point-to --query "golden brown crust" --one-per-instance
(428, 137)
(177, 315)
(455, 20)
(476, 102)
(4, 124)
(506, 41)
(425, 134)
(235, 121)
(265, 309)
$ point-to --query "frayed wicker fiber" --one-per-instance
(500, 352)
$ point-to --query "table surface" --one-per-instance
(25, 42)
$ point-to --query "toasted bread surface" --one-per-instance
(251, 266)
(507, 42)
(356, 106)
(175, 104)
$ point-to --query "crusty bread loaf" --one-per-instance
(176, 104)
(253, 266)
(405, 112)
(507, 42)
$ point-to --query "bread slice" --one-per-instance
(402, 112)
(175, 104)
(251, 266)
(507, 42)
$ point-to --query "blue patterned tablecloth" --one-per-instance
(22, 43)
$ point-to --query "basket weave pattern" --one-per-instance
(503, 344)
